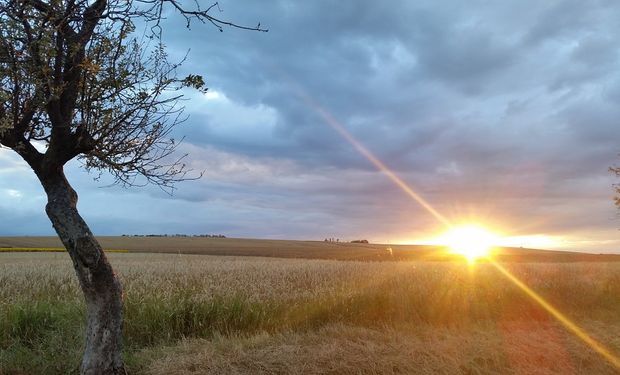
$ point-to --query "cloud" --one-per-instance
(502, 111)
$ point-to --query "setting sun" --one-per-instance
(470, 241)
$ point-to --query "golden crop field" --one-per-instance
(195, 314)
(296, 249)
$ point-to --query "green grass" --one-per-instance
(157, 321)
(41, 337)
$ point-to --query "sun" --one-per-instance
(471, 241)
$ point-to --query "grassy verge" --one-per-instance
(517, 348)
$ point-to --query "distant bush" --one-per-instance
(359, 241)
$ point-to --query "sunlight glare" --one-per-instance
(470, 241)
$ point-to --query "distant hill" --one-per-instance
(303, 249)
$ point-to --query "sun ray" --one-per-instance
(334, 124)
(565, 321)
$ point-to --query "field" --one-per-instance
(295, 249)
(195, 314)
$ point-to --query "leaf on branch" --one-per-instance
(194, 81)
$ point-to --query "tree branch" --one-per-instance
(203, 15)
(154, 9)
(73, 75)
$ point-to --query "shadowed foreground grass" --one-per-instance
(203, 314)
(510, 348)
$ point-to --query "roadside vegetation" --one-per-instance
(201, 312)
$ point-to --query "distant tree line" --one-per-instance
(176, 235)
(331, 239)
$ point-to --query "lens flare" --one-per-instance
(470, 241)
(344, 133)
(563, 319)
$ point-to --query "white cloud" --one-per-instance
(450, 169)
(12, 193)
(212, 95)
(225, 119)
(11, 162)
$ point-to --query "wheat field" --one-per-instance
(195, 314)
(295, 249)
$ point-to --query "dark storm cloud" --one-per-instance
(507, 109)
(391, 79)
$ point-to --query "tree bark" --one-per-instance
(102, 289)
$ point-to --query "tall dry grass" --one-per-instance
(171, 298)
(511, 349)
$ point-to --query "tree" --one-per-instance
(76, 81)
(616, 170)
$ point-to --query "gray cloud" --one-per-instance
(503, 111)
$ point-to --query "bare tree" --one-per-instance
(77, 81)
(616, 170)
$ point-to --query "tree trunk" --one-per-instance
(102, 289)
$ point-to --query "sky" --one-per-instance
(501, 113)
